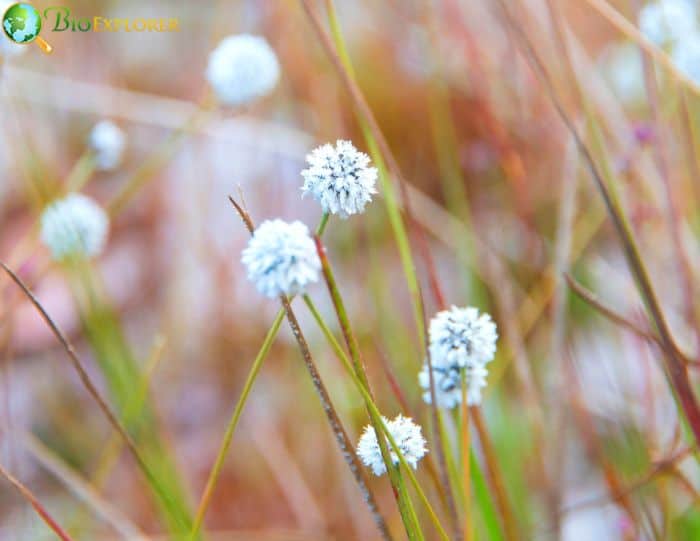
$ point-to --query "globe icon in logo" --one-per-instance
(21, 23)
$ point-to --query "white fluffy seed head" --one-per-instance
(666, 21)
(409, 439)
(108, 142)
(686, 57)
(74, 226)
(339, 178)
(242, 68)
(281, 258)
(462, 337)
(448, 385)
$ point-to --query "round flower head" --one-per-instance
(686, 57)
(281, 258)
(462, 337)
(448, 385)
(74, 226)
(339, 178)
(408, 438)
(623, 68)
(666, 21)
(107, 142)
(242, 68)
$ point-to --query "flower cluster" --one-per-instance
(242, 68)
(107, 141)
(74, 226)
(408, 437)
(339, 178)
(462, 343)
(281, 258)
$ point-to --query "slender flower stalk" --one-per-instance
(386, 163)
(339, 432)
(405, 507)
(38, 507)
(215, 471)
(369, 401)
(465, 436)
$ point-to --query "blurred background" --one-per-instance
(584, 424)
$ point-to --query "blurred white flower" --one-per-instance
(686, 57)
(462, 337)
(623, 68)
(107, 142)
(408, 437)
(339, 178)
(448, 385)
(666, 21)
(242, 68)
(281, 258)
(74, 226)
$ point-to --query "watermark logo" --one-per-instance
(22, 23)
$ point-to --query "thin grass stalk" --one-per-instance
(592, 300)
(673, 217)
(123, 374)
(405, 507)
(510, 525)
(678, 376)
(380, 151)
(80, 487)
(340, 353)
(132, 408)
(163, 495)
(215, 471)
(344, 443)
(465, 447)
(348, 364)
(38, 507)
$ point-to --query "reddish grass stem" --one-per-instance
(34, 502)
(675, 368)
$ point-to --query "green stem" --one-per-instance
(405, 506)
(377, 151)
(233, 422)
(347, 363)
(322, 225)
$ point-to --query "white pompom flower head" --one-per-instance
(281, 258)
(74, 226)
(408, 437)
(340, 178)
(242, 68)
(462, 337)
(665, 22)
(448, 385)
(108, 142)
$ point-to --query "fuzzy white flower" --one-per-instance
(686, 57)
(408, 437)
(339, 178)
(242, 68)
(108, 143)
(666, 21)
(74, 226)
(623, 67)
(462, 337)
(281, 258)
(448, 385)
